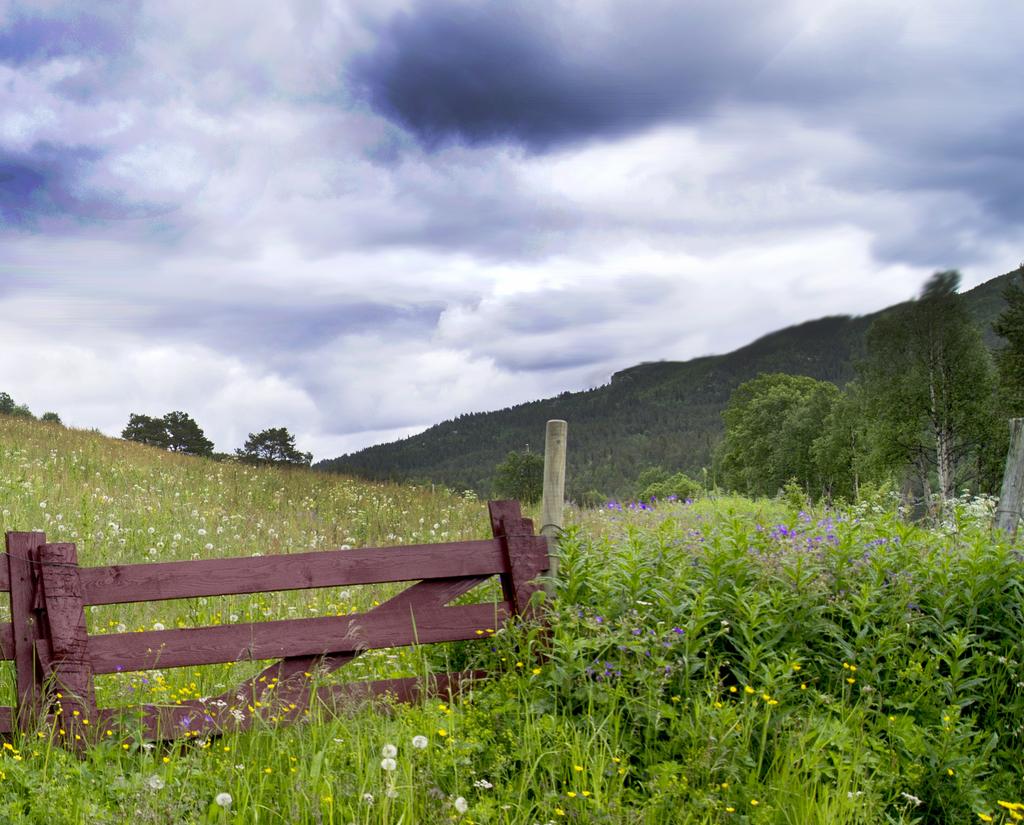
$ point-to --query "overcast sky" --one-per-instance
(356, 219)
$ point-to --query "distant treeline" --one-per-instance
(663, 417)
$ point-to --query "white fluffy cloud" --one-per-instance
(247, 217)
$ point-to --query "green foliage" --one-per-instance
(273, 446)
(592, 499)
(1010, 357)
(770, 426)
(927, 384)
(176, 431)
(9, 407)
(883, 660)
(520, 476)
(679, 486)
(51, 418)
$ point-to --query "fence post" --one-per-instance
(1011, 496)
(69, 665)
(554, 492)
(22, 561)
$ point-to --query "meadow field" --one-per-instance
(721, 661)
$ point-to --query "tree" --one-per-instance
(520, 476)
(1010, 358)
(841, 451)
(273, 446)
(8, 407)
(184, 435)
(51, 418)
(770, 424)
(928, 384)
(176, 431)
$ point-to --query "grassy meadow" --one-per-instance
(726, 661)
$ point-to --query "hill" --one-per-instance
(666, 413)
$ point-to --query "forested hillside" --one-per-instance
(665, 413)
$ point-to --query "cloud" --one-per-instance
(547, 74)
(43, 183)
(30, 34)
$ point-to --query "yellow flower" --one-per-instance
(796, 666)
(536, 671)
(984, 817)
(754, 802)
(732, 688)
(559, 812)
(442, 732)
(949, 771)
(729, 809)
(578, 768)
(586, 793)
(749, 689)
(850, 680)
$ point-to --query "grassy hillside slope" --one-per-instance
(731, 661)
(666, 413)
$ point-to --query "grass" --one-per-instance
(727, 661)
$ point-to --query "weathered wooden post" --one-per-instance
(1011, 497)
(553, 501)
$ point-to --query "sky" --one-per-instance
(357, 219)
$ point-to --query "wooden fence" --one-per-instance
(56, 659)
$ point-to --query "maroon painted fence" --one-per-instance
(55, 658)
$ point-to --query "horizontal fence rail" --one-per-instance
(56, 659)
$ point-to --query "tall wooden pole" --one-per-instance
(1011, 497)
(554, 491)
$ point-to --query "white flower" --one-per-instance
(121, 627)
(910, 798)
(157, 626)
(223, 799)
(201, 531)
(483, 783)
(391, 793)
(419, 742)
(388, 764)
(389, 751)
(368, 798)
(461, 805)
(154, 782)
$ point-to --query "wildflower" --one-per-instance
(461, 805)
(729, 809)
(442, 732)
(389, 751)
(911, 798)
(368, 798)
(754, 803)
(154, 782)
(984, 817)
(158, 626)
(223, 799)
(388, 764)
(419, 742)
(748, 689)
(536, 671)
(483, 784)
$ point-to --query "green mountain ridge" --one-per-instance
(665, 413)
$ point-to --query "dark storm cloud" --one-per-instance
(36, 35)
(41, 183)
(530, 73)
